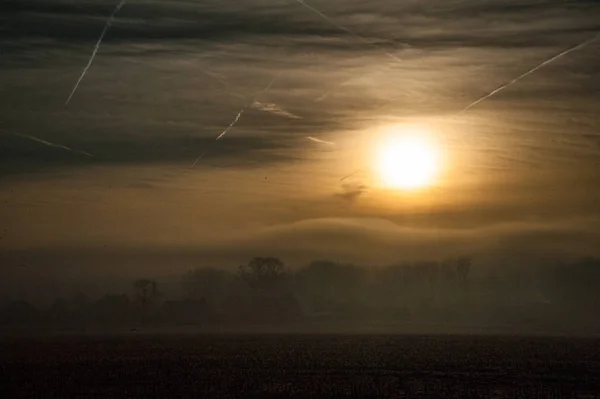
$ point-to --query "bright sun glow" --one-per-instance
(407, 161)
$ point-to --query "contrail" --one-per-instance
(343, 28)
(515, 80)
(350, 175)
(269, 85)
(322, 97)
(199, 158)
(316, 140)
(48, 143)
(216, 76)
(237, 118)
(274, 109)
(89, 64)
(239, 115)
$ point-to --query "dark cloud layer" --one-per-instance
(127, 150)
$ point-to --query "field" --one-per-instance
(299, 366)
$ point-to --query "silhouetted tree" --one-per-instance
(424, 287)
(327, 287)
(147, 289)
(206, 283)
(463, 268)
(457, 270)
(147, 293)
(574, 285)
(391, 288)
(263, 274)
(19, 313)
(59, 312)
(316, 285)
(185, 312)
(112, 309)
(269, 298)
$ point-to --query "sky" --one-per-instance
(115, 178)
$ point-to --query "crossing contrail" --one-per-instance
(529, 72)
(239, 115)
(323, 96)
(338, 86)
(47, 143)
(89, 64)
(343, 28)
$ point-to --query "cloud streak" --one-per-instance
(274, 109)
(46, 143)
(91, 60)
(529, 72)
(342, 28)
(316, 140)
(351, 192)
(239, 115)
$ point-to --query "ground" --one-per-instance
(299, 366)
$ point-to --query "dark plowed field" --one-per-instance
(307, 366)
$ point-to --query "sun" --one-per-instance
(407, 161)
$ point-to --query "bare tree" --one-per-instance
(463, 268)
(147, 294)
(206, 283)
(457, 270)
(263, 274)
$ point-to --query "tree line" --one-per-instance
(264, 290)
